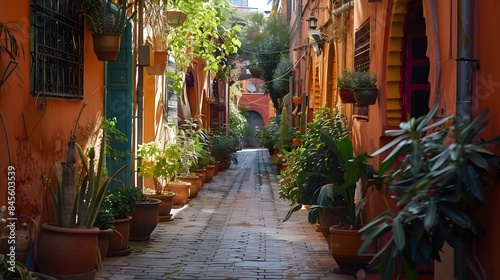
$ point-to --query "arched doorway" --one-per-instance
(255, 123)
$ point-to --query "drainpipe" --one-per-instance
(464, 58)
(140, 93)
(464, 99)
(342, 12)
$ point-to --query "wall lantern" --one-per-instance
(175, 17)
(313, 21)
(8, 71)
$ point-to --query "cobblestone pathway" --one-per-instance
(231, 230)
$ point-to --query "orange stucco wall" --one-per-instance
(259, 103)
(49, 129)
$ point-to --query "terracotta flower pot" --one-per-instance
(346, 95)
(165, 206)
(210, 173)
(106, 45)
(144, 219)
(159, 63)
(118, 241)
(195, 184)
(344, 247)
(202, 173)
(103, 241)
(181, 190)
(297, 100)
(68, 252)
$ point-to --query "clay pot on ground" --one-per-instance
(165, 206)
(181, 190)
(210, 173)
(201, 173)
(195, 181)
(144, 219)
(103, 241)
(64, 253)
(344, 247)
(118, 241)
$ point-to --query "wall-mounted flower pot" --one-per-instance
(297, 100)
(346, 95)
(106, 45)
(159, 63)
(296, 142)
(366, 96)
(255, 71)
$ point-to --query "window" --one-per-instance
(362, 48)
(57, 48)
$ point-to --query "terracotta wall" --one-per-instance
(49, 129)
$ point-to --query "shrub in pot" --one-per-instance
(437, 174)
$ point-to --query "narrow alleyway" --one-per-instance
(231, 230)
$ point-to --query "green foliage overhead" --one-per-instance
(206, 34)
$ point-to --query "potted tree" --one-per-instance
(437, 176)
(108, 19)
(160, 162)
(69, 247)
(187, 141)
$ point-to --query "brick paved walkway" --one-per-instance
(231, 230)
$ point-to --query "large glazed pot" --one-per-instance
(144, 219)
(68, 253)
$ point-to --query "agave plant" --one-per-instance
(78, 206)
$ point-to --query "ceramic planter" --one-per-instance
(68, 252)
(346, 95)
(210, 173)
(344, 247)
(165, 206)
(118, 241)
(106, 45)
(181, 190)
(195, 182)
(159, 63)
(366, 96)
(103, 241)
(144, 219)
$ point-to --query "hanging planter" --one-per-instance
(297, 100)
(159, 63)
(106, 45)
(366, 96)
(346, 95)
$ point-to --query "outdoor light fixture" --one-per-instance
(316, 38)
(9, 70)
(313, 21)
(175, 17)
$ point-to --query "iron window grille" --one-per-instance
(57, 48)
(362, 48)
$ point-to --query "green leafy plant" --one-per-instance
(121, 201)
(437, 174)
(314, 159)
(346, 80)
(363, 79)
(109, 16)
(18, 271)
(159, 162)
(78, 206)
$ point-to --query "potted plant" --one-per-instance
(345, 85)
(187, 141)
(108, 19)
(437, 176)
(144, 218)
(121, 202)
(160, 162)
(365, 91)
(69, 247)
